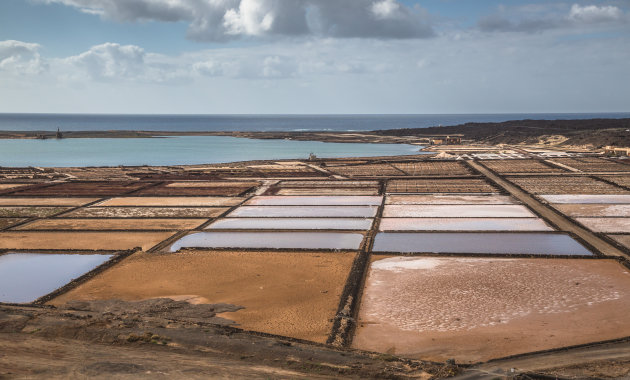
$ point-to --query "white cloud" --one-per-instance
(21, 57)
(219, 20)
(595, 14)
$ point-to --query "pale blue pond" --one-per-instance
(178, 150)
(25, 277)
(480, 243)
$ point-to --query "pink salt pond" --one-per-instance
(463, 224)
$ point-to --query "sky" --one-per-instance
(314, 56)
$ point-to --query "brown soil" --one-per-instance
(172, 340)
(593, 164)
(477, 309)
(623, 239)
(24, 201)
(291, 294)
(7, 186)
(369, 170)
(81, 240)
(213, 184)
(520, 166)
(433, 168)
(621, 180)
(112, 224)
(172, 201)
(147, 212)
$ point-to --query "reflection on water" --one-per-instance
(292, 224)
(305, 211)
(24, 277)
(297, 240)
(471, 242)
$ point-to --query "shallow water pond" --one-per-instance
(457, 211)
(463, 224)
(292, 224)
(25, 277)
(288, 200)
(587, 198)
(480, 243)
(277, 240)
(305, 211)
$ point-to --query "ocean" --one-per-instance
(189, 123)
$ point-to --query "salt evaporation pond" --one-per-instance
(275, 240)
(463, 224)
(289, 200)
(491, 199)
(460, 211)
(178, 150)
(480, 243)
(292, 224)
(304, 211)
(25, 277)
(606, 225)
(594, 209)
(587, 198)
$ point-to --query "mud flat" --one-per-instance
(520, 166)
(285, 293)
(113, 224)
(529, 243)
(271, 240)
(577, 210)
(147, 212)
(172, 201)
(463, 224)
(432, 168)
(192, 191)
(566, 185)
(81, 240)
(460, 211)
(452, 199)
(24, 201)
(478, 309)
(25, 277)
(85, 188)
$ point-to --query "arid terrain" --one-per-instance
(476, 261)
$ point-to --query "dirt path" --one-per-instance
(562, 363)
(558, 220)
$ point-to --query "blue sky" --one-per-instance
(314, 56)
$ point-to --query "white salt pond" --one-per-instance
(479, 243)
(463, 224)
(593, 209)
(448, 199)
(292, 224)
(457, 211)
(25, 277)
(587, 198)
(305, 211)
(289, 200)
(275, 240)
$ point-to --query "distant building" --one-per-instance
(59, 135)
(616, 151)
(448, 140)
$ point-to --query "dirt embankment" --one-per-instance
(595, 132)
(162, 338)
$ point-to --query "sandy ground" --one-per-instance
(81, 240)
(606, 224)
(478, 309)
(291, 294)
(147, 212)
(23, 201)
(113, 224)
(172, 201)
